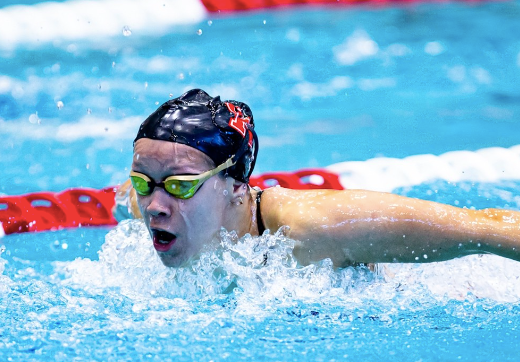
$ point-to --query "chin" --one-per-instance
(173, 261)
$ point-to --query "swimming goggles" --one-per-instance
(181, 187)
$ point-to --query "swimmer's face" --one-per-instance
(180, 228)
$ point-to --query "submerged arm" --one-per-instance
(370, 227)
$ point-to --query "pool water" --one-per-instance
(326, 85)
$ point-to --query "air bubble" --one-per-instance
(89, 111)
(64, 246)
(59, 104)
(225, 192)
(199, 32)
(425, 256)
(34, 119)
(210, 23)
(145, 85)
(127, 31)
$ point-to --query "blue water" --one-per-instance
(433, 79)
(325, 85)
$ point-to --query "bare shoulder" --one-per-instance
(281, 206)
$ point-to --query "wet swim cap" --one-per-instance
(218, 129)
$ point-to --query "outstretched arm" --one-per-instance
(370, 227)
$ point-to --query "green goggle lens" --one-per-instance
(181, 187)
(141, 185)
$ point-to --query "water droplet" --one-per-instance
(59, 104)
(64, 246)
(199, 32)
(210, 22)
(34, 119)
(181, 76)
(113, 64)
(265, 21)
(127, 31)
(109, 110)
(416, 258)
(145, 85)
(171, 95)
(89, 111)
(137, 156)
(225, 192)
(156, 103)
(87, 166)
(425, 256)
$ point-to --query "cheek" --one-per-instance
(209, 205)
(141, 204)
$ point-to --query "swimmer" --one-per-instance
(191, 165)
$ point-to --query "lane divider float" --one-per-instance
(79, 207)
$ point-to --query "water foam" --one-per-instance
(92, 20)
(261, 275)
(5, 282)
(386, 174)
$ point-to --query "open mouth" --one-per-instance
(163, 240)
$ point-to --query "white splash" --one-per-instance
(359, 46)
(386, 174)
(262, 275)
(89, 20)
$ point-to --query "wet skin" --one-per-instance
(180, 228)
(346, 226)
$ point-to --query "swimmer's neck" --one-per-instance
(242, 216)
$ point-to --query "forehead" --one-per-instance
(169, 157)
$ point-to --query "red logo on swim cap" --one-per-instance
(238, 121)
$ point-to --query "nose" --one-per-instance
(159, 204)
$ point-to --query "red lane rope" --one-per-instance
(52, 211)
(242, 5)
(43, 211)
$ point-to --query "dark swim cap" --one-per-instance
(219, 129)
